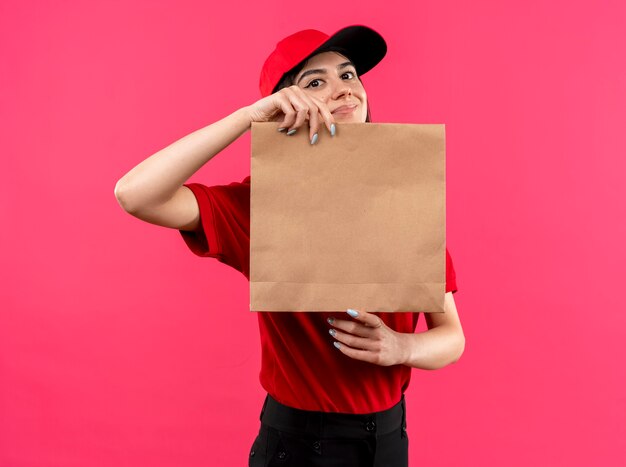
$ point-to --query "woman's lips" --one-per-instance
(344, 109)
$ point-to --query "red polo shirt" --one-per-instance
(300, 367)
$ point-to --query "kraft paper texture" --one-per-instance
(354, 221)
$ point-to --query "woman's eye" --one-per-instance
(310, 85)
(316, 83)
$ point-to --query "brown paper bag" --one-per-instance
(354, 221)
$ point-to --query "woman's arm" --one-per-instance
(368, 338)
(442, 344)
(155, 180)
(153, 190)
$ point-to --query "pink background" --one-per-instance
(119, 347)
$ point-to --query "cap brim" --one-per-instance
(363, 46)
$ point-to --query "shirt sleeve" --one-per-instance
(224, 229)
(450, 274)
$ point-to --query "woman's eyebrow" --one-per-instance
(323, 70)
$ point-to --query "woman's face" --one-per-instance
(331, 78)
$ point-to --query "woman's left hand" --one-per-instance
(368, 338)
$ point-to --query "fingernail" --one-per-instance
(331, 320)
(281, 129)
(336, 344)
(314, 139)
(291, 132)
(332, 332)
(332, 129)
(353, 313)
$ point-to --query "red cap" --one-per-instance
(362, 45)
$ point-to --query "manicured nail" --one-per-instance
(291, 132)
(314, 139)
(332, 332)
(281, 129)
(333, 129)
(331, 320)
(336, 344)
(352, 312)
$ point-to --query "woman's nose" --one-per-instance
(341, 91)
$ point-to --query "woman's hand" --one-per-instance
(368, 338)
(292, 106)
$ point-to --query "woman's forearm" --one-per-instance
(156, 179)
(433, 349)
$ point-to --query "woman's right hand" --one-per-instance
(292, 106)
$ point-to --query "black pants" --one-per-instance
(300, 438)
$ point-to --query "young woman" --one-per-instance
(335, 380)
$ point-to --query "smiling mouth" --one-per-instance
(344, 109)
